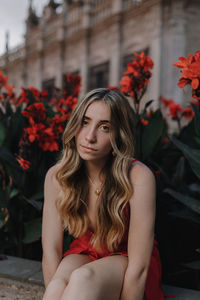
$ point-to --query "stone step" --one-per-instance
(31, 271)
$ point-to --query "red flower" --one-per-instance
(177, 112)
(3, 80)
(137, 76)
(48, 144)
(53, 101)
(148, 114)
(44, 94)
(196, 93)
(165, 140)
(10, 89)
(157, 174)
(115, 88)
(196, 103)
(174, 111)
(47, 140)
(24, 164)
(71, 102)
(166, 102)
(35, 92)
(144, 122)
(188, 113)
(126, 83)
(23, 97)
(72, 84)
(58, 122)
(190, 72)
(183, 82)
(45, 136)
(36, 111)
(34, 131)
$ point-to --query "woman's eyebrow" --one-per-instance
(101, 121)
(104, 121)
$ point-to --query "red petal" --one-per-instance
(195, 83)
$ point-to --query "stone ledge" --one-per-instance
(181, 293)
(21, 269)
(31, 271)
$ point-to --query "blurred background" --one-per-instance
(51, 54)
(41, 41)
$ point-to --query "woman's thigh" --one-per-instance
(68, 264)
(108, 275)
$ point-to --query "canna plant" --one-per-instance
(30, 137)
(174, 158)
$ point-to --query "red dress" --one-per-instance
(153, 287)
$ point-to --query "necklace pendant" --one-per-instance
(97, 192)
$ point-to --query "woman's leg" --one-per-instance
(97, 280)
(60, 279)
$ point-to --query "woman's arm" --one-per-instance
(52, 231)
(141, 232)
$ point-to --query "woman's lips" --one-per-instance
(88, 149)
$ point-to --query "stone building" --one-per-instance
(96, 38)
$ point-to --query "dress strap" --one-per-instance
(134, 159)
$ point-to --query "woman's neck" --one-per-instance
(94, 170)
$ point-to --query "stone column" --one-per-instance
(40, 46)
(153, 90)
(25, 64)
(116, 35)
(173, 46)
(84, 65)
(62, 45)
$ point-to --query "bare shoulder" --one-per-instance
(141, 174)
(50, 178)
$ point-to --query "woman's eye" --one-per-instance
(104, 128)
(84, 122)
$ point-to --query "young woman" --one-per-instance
(106, 199)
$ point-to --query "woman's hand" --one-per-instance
(141, 231)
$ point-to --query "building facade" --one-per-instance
(96, 39)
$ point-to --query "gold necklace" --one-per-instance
(97, 190)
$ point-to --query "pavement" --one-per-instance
(22, 279)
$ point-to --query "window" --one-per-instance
(65, 84)
(98, 76)
(48, 85)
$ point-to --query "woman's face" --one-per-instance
(93, 138)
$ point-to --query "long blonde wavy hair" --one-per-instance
(72, 201)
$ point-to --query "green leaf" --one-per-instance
(197, 139)
(194, 265)
(35, 203)
(194, 187)
(13, 193)
(196, 119)
(192, 155)
(147, 104)
(2, 218)
(186, 200)
(7, 156)
(151, 134)
(186, 214)
(2, 199)
(33, 231)
(2, 133)
(180, 170)
(38, 196)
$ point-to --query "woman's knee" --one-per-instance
(82, 274)
(55, 287)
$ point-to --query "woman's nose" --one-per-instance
(91, 135)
